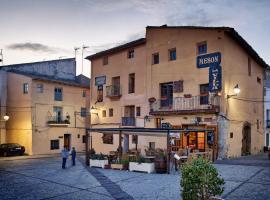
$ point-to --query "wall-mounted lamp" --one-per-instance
(5, 118)
(93, 110)
(236, 91)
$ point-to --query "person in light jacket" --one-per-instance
(73, 156)
(64, 155)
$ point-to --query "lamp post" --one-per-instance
(236, 91)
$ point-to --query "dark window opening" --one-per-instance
(201, 48)
(83, 139)
(103, 113)
(138, 111)
(25, 88)
(105, 60)
(110, 112)
(58, 95)
(100, 93)
(166, 94)
(131, 53)
(259, 80)
(155, 58)
(204, 94)
(131, 83)
(83, 112)
(54, 144)
(151, 145)
(134, 139)
(172, 54)
(107, 138)
(249, 66)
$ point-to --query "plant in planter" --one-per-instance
(121, 164)
(98, 160)
(142, 165)
(200, 180)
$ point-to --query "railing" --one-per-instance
(128, 121)
(113, 91)
(53, 120)
(267, 123)
(194, 103)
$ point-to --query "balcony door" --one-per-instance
(58, 113)
(129, 111)
(116, 85)
(166, 94)
(204, 94)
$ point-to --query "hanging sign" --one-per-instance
(215, 78)
(100, 80)
(208, 60)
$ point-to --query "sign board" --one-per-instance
(208, 60)
(215, 78)
(100, 80)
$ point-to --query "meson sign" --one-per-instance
(208, 59)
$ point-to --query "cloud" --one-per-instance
(29, 46)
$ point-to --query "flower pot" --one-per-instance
(98, 163)
(142, 167)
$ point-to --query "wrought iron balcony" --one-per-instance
(186, 105)
(128, 121)
(113, 91)
(267, 123)
(56, 121)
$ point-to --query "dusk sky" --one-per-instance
(36, 30)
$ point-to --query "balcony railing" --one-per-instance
(185, 105)
(128, 121)
(56, 121)
(267, 123)
(113, 91)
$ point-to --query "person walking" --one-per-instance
(64, 155)
(73, 156)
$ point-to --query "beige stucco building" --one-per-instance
(156, 81)
(48, 109)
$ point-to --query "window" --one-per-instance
(151, 145)
(83, 139)
(103, 113)
(131, 83)
(107, 138)
(158, 122)
(25, 88)
(131, 53)
(138, 111)
(58, 94)
(166, 94)
(84, 93)
(78, 136)
(57, 113)
(134, 139)
(155, 58)
(231, 134)
(100, 93)
(201, 48)
(258, 124)
(54, 144)
(83, 112)
(204, 93)
(172, 54)
(259, 80)
(110, 112)
(105, 60)
(249, 66)
(40, 88)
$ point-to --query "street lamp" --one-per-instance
(236, 91)
(6, 117)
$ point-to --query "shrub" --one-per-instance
(200, 180)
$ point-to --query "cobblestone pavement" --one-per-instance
(44, 179)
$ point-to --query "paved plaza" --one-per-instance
(43, 178)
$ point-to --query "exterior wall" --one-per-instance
(3, 101)
(43, 104)
(58, 69)
(267, 107)
(19, 125)
(235, 71)
(234, 113)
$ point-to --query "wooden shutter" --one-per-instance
(178, 86)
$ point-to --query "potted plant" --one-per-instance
(98, 160)
(200, 180)
(142, 165)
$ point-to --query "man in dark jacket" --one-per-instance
(64, 155)
(73, 156)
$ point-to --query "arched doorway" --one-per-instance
(246, 139)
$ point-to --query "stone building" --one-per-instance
(184, 77)
(48, 106)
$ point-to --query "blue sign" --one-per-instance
(101, 80)
(215, 78)
(208, 59)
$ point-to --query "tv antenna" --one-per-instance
(83, 48)
(76, 49)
